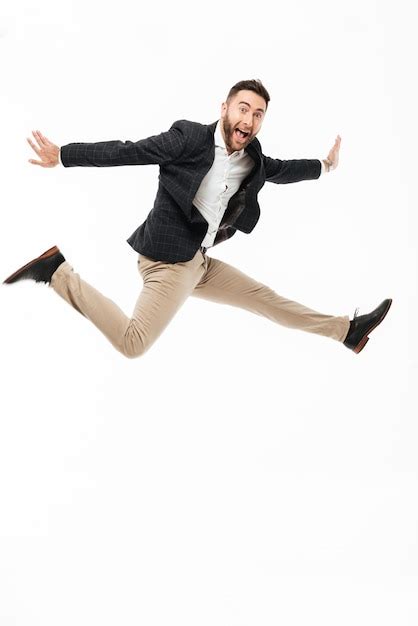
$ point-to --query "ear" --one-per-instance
(224, 108)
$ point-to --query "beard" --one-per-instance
(229, 135)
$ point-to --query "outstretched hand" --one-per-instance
(333, 154)
(47, 151)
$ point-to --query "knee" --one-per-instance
(133, 344)
(132, 351)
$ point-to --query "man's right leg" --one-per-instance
(166, 287)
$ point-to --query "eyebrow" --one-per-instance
(249, 106)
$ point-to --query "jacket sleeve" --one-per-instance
(157, 149)
(293, 171)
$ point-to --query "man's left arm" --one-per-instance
(295, 170)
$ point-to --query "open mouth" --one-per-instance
(240, 134)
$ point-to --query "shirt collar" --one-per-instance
(219, 140)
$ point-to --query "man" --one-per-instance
(210, 176)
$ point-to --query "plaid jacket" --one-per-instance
(174, 228)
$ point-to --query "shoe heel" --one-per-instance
(361, 345)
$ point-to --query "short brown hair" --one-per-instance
(250, 85)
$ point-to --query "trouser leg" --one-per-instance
(165, 288)
(228, 285)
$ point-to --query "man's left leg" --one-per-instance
(223, 283)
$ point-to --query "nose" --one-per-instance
(247, 119)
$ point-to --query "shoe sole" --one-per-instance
(45, 255)
(359, 347)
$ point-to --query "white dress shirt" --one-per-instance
(220, 183)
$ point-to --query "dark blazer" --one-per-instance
(174, 229)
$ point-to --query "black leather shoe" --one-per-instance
(39, 269)
(361, 326)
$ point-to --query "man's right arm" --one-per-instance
(158, 149)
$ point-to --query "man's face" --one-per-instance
(244, 112)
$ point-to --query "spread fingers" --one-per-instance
(33, 146)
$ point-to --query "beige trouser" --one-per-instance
(166, 286)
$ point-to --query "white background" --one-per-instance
(240, 473)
